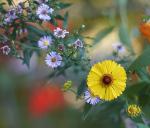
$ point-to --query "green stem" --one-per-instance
(73, 91)
(27, 46)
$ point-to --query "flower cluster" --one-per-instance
(34, 27)
(21, 31)
(53, 58)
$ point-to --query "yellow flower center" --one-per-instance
(107, 79)
(53, 59)
(46, 43)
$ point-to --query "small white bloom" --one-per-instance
(78, 43)
(44, 12)
(53, 59)
(83, 26)
(42, 1)
(23, 31)
(89, 98)
(5, 49)
(119, 48)
(44, 42)
(60, 33)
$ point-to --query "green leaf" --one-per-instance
(10, 2)
(100, 35)
(124, 36)
(87, 108)
(65, 24)
(139, 125)
(53, 21)
(143, 74)
(59, 17)
(81, 88)
(142, 61)
(136, 88)
(59, 71)
(63, 5)
(35, 30)
(27, 54)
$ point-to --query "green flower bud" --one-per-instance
(67, 85)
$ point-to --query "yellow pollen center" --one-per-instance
(132, 110)
(53, 59)
(46, 43)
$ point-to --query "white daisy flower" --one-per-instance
(60, 33)
(44, 12)
(119, 48)
(44, 42)
(89, 98)
(53, 59)
(5, 49)
(78, 43)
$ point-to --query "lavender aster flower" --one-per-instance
(78, 43)
(44, 42)
(5, 49)
(10, 16)
(60, 33)
(19, 9)
(53, 59)
(119, 48)
(89, 98)
(44, 11)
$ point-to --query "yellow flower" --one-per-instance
(107, 80)
(133, 110)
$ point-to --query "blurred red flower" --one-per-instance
(46, 99)
(52, 27)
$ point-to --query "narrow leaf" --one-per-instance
(35, 30)
(100, 35)
(10, 2)
(65, 24)
(142, 61)
(124, 36)
(81, 88)
(63, 5)
(139, 125)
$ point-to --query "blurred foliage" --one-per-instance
(13, 96)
